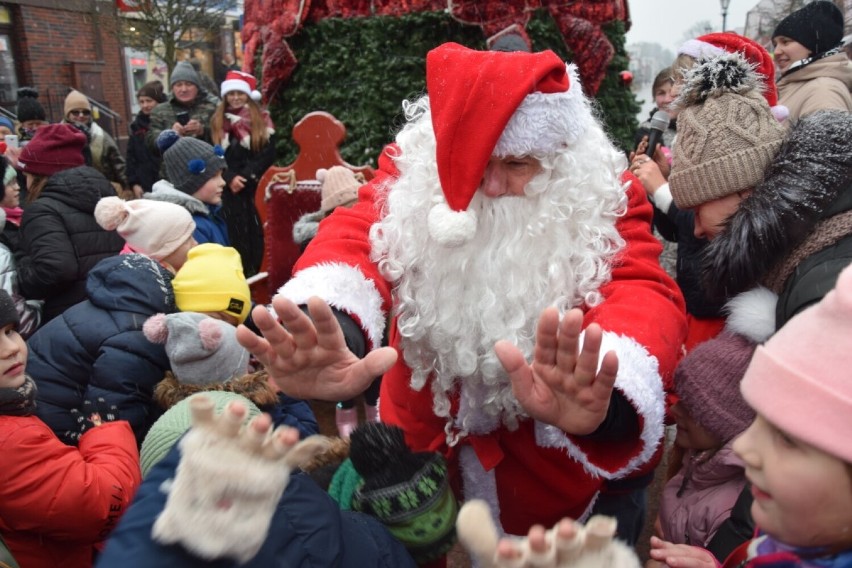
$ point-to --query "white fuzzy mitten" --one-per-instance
(566, 545)
(229, 481)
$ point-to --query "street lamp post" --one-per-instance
(725, 4)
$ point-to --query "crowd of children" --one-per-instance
(140, 427)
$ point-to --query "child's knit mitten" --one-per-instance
(229, 481)
(566, 545)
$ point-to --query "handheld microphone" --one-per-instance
(659, 123)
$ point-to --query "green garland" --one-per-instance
(344, 68)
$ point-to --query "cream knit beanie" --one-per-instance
(339, 187)
(153, 228)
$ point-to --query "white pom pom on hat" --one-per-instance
(450, 228)
(110, 212)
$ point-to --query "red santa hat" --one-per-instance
(717, 43)
(242, 82)
(486, 103)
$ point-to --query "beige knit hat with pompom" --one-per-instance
(339, 187)
(153, 228)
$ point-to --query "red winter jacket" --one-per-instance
(57, 501)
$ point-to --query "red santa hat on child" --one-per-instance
(486, 103)
(242, 82)
(712, 45)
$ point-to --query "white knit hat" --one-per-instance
(153, 228)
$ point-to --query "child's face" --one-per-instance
(12, 197)
(690, 434)
(13, 357)
(146, 104)
(211, 192)
(236, 99)
(802, 495)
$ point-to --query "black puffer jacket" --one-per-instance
(61, 241)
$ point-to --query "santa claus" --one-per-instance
(513, 257)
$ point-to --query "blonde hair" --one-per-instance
(259, 133)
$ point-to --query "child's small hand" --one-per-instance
(681, 555)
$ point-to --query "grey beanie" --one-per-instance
(189, 162)
(184, 71)
(202, 350)
(726, 133)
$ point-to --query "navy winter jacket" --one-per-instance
(97, 348)
(307, 529)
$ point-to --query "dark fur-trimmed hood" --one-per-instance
(805, 183)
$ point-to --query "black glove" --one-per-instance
(93, 413)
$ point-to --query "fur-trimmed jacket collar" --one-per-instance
(306, 227)
(807, 182)
(163, 190)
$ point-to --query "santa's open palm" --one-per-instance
(307, 357)
(562, 386)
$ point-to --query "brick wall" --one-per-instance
(53, 41)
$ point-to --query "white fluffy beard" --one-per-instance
(552, 247)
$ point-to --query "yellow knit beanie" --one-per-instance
(212, 280)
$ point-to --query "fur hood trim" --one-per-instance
(165, 191)
(810, 172)
(306, 227)
(254, 386)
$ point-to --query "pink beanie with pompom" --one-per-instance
(153, 228)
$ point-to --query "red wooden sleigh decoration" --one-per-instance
(286, 193)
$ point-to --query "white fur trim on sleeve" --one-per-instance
(662, 198)
(344, 287)
(639, 380)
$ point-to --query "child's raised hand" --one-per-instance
(568, 544)
(229, 481)
(681, 555)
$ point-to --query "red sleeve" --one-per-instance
(65, 492)
(336, 266)
(644, 322)
(641, 300)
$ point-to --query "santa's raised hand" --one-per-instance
(563, 385)
(307, 357)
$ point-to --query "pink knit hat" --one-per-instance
(799, 380)
(153, 228)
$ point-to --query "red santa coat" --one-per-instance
(57, 501)
(536, 474)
